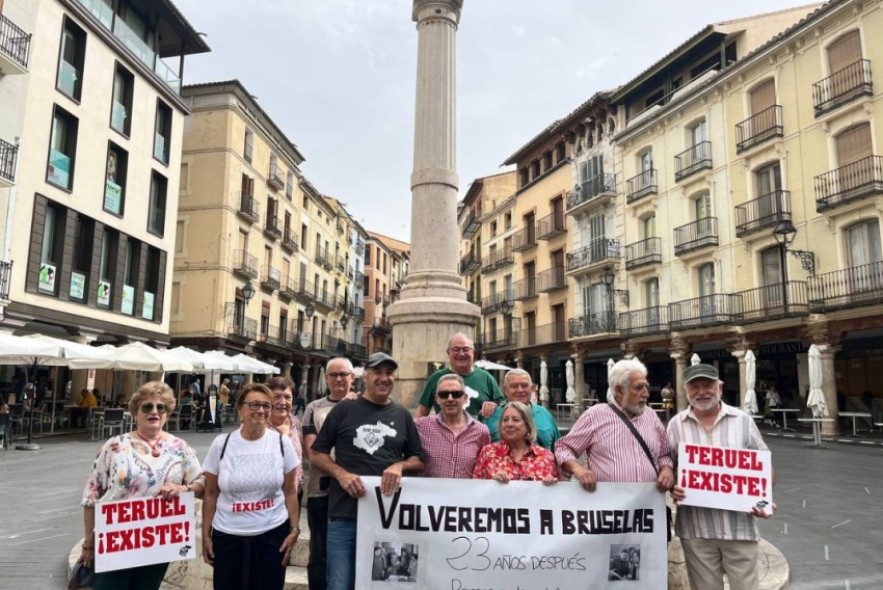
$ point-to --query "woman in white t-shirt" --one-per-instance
(250, 514)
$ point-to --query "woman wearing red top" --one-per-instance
(516, 457)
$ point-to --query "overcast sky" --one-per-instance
(338, 77)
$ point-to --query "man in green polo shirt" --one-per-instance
(519, 387)
(481, 387)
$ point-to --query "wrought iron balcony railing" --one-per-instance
(764, 211)
(249, 209)
(852, 182)
(15, 43)
(287, 288)
(759, 128)
(237, 324)
(550, 226)
(589, 190)
(650, 320)
(359, 314)
(842, 87)
(497, 259)
(525, 239)
(857, 286)
(525, 289)
(289, 240)
(491, 304)
(326, 300)
(598, 251)
(244, 264)
(602, 322)
(271, 227)
(692, 160)
(708, 310)
(359, 279)
(305, 291)
(641, 185)
(774, 301)
(274, 178)
(647, 251)
(697, 234)
(469, 263)
(470, 225)
(552, 279)
(271, 278)
(500, 338)
(544, 334)
(381, 325)
(8, 158)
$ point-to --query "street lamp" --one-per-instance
(247, 292)
(309, 310)
(608, 277)
(784, 233)
(505, 308)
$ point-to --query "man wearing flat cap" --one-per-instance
(715, 541)
(371, 435)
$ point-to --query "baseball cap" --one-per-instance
(700, 371)
(379, 358)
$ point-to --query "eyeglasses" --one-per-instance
(457, 394)
(343, 375)
(460, 349)
(147, 407)
(255, 406)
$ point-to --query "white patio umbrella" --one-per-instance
(544, 382)
(816, 399)
(750, 378)
(140, 357)
(610, 363)
(570, 393)
(322, 387)
(220, 360)
(248, 364)
(491, 365)
(695, 360)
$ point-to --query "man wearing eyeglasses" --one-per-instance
(371, 435)
(452, 438)
(339, 379)
(481, 387)
(519, 387)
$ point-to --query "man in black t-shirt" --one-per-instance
(370, 436)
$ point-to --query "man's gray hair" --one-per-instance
(516, 372)
(346, 361)
(450, 377)
(468, 339)
(622, 370)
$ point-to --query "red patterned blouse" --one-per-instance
(536, 464)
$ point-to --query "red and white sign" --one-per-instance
(725, 478)
(144, 531)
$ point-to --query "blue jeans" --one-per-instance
(341, 554)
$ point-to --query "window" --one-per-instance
(368, 255)
(156, 213)
(130, 276)
(51, 249)
(524, 176)
(289, 185)
(768, 179)
(651, 292)
(248, 149)
(151, 285)
(535, 170)
(560, 153)
(853, 145)
(72, 55)
(698, 133)
(121, 103)
(303, 236)
(81, 261)
(493, 228)
(705, 274)
(648, 226)
(305, 203)
(762, 97)
(547, 160)
(863, 243)
(179, 237)
(702, 206)
(844, 51)
(645, 161)
(115, 179)
(162, 141)
(62, 149)
(107, 267)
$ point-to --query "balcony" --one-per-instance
(771, 302)
(271, 228)
(599, 190)
(274, 179)
(763, 212)
(304, 292)
(8, 158)
(381, 326)
(471, 225)
(643, 253)
(552, 280)
(360, 246)
(287, 289)
(270, 278)
(5, 279)
(497, 259)
(598, 252)
(491, 304)
(334, 344)
(289, 240)
(323, 259)
(852, 182)
(504, 338)
(340, 263)
(15, 45)
(359, 314)
(857, 286)
(340, 228)
(359, 279)
(643, 322)
(350, 273)
(325, 300)
(842, 87)
(695, 235)
(693, 160)
(550, 226)
(603, 322)
(249, 209)
(245, 265)
(759, 128)
(271, 336)
(525, 239)
(525, 289)
(545, 334)
(237, 325)
(469, 264)
(641, 185)
(705, 311)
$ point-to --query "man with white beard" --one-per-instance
(715, 541)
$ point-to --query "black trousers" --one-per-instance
(317, 518)
(249, 563)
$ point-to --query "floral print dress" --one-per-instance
(121, 472)
(536, 464)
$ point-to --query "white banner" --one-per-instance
(729, 479)
(144, 531)
(458, 534)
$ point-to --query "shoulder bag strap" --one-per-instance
(637, 434)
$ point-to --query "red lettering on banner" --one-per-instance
(727, 483)
(722, 457)
(143, 538)
(141, 509)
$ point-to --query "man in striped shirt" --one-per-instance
(612, 451)
(451, 438)
(715, 541)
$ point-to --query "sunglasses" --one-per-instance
(454, 394)
(255, 406)
(147, 407)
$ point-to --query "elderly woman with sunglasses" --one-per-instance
(144, 463)
(517, 456)
(250, 514)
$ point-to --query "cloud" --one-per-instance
(518, 31)
(592, 67)
(556, 41)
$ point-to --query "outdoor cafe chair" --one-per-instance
(15, 416)
(113, 420)
(5, 430)
(96, 417)
(185, 414)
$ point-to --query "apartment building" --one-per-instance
(350, 300)
(91, 100)
(386, 266)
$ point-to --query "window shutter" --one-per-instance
(844, 51)
(854, 145)
(763, 97)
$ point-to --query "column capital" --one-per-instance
(424, 10)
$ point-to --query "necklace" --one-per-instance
(154, 451)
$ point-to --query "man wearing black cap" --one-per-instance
(370, 436)
(715, 541)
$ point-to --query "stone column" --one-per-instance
(678, 353)
(519, 360)
(579, 377)
(743, 376)
(829, 387)
(433, 302)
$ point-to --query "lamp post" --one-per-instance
(608, 277)
(344, 322)
(784, 233)
(505, 308)
(247, 292)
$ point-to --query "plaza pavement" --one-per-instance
(825, 535)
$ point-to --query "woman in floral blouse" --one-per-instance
(283, 420)
(516, 456)
(144, 463)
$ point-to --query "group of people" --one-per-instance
(251, 479)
